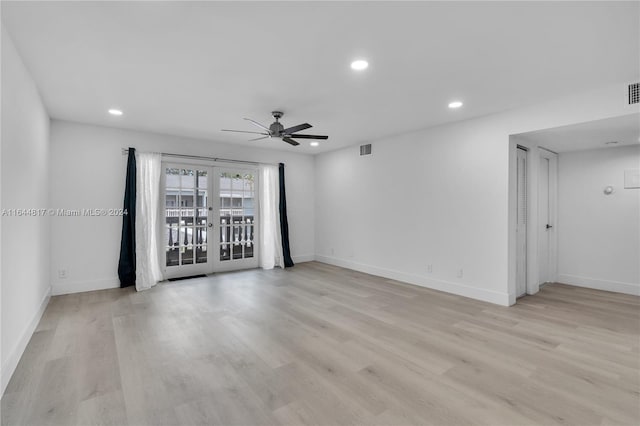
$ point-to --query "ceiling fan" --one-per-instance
(277, 130)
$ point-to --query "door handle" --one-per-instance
(549, 226)
(211, 225)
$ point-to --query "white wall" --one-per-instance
(88, 171)
(598, 234)
(419, 199)
(25, 185)
(439, 197)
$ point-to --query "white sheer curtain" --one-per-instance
(148, 173)
(270, 236)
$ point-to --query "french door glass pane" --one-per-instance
(171, 236)
(201, 235)
(186, 178)
(187, 256)
(187, 219)
(201, 201)
(201, 254)
(202, 179)
(173, 256)
(237, 251)
(225, 252)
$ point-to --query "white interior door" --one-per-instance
(521, 222)
(547, 240)
(236, 217)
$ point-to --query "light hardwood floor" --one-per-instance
(321, 345)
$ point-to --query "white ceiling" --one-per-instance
(192, 69)
(625, 130)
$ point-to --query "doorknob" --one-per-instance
(549, 226)
(211, 225)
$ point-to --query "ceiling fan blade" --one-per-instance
(297, 128)
(255, 123)
(308, 136)
(290, 141)
(244, 131)
(257, 139)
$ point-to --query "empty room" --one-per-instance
(320, 213)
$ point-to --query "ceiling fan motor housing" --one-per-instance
(276, 128)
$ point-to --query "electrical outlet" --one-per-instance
(460, 273)
(429, 268)
(62, 274)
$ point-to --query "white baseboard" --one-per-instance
(68, 287)
(304, 258)
(597, 284)
(15, 354)
(422, 281)
(60, 287)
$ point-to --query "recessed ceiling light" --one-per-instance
(455, 104)
(359, 65)
(314, 143)
(113, 111)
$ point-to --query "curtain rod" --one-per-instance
(125, 151)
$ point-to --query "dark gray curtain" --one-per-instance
(284, 223)
(127, 262)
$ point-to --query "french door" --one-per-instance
(236, 217)
(211, 218)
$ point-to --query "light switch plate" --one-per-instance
(632, 178)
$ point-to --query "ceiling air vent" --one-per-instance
(634, 93)
(365, 149)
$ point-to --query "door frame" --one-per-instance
(213, 263)
(535, 151)
(522, 150)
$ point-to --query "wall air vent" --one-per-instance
(634, 93)
(365, 149)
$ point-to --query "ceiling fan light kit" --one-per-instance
(277, 130)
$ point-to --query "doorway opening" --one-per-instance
(574, 196)
(534, 218)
